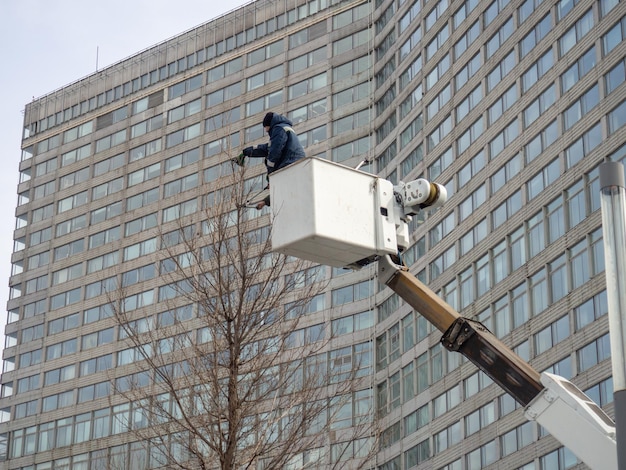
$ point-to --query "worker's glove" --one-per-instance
(240, 159)
(248, 151)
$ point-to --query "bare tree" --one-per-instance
(231, 374)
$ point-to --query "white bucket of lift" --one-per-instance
(331, 214)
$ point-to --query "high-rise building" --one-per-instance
(511, 104)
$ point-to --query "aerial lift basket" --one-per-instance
(331, 214)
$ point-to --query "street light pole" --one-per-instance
(613, 202)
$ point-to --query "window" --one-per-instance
(147, 126)
(138, 225)
(71, 225)
(551, 335)
(351, 68)
(78, 132)
(560, 458)
(444, 128)
(140, 249)
(183, 135)
(537, 70)
(351, 293)
(97, 338)
(61, 349)
(351, 122)
(44, 190)
(142, 199)
(466, 40)
(516, 439)
(93, 392)
(492, 10)
(578, 70)
(509, 170)
(617, 117)
(144, 174)
(411, 43)
(223, 94)
(186, 86)
(581, 107)
(59, 375)
(469, 136)
(105, 189)
(307, 86)
(591, 310)
(145, 150)
(343, 98)
(416, 420)
(480, 418)
(503, 139)
(435, 13)
(539, 105)
(100, 287)
(534, 37)
(517, 246)
(447, 437)
(473, 237)
(72, 202)
(500, 71)
(67, 274)
(179, 210)
(253, 107)
(494, 43)
(108, 142)
(614, 36)
(63, 324)
(46, 167)
(468, 71)
(106, 236)
(601, 393)
(437, 42)
(182, 160)
(593, 353)
(469, 103)
(548, 175)
(576, 33)
(446, 401)
(264, 53)
(76, 177)
(442, 67)
(106, 212)
(541, 141)
(556, 219)
(563, 7)
(264, 78)
(472, 202)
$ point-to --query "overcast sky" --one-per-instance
(46, 44)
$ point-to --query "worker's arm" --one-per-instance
(278, 140)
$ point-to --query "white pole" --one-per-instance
(613, 201)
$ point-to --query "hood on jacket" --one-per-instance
(280, 119)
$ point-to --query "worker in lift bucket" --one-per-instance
(283, 148)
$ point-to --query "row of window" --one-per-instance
(196, 58)
(504, 445)
(431, 366)
(345, 411)
(577, 202)
(529, 78)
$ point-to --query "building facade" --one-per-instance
(510, 104)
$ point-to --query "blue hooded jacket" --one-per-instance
(284, 147)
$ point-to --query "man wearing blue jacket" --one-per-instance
(283, 148)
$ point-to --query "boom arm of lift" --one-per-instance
(554, 402)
